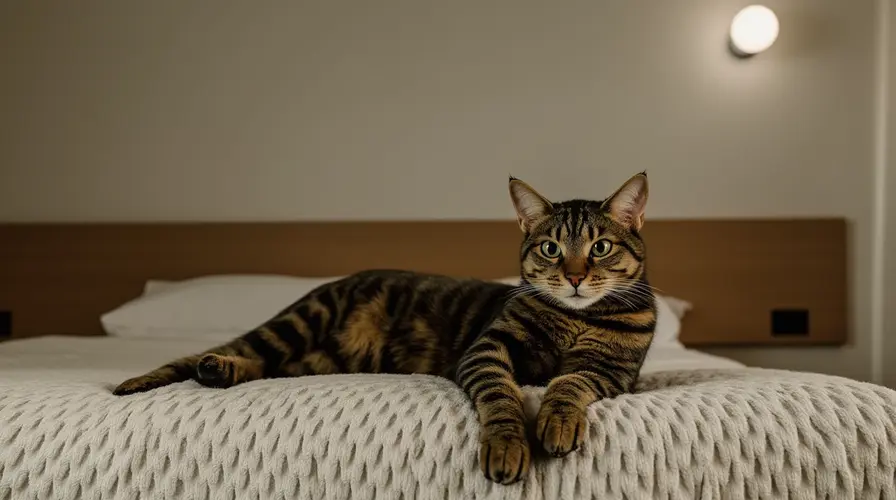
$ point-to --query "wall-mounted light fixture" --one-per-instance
(753, 29)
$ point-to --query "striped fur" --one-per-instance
(580, 322)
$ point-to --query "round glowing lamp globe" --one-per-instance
(753, 30)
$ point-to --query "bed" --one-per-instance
(698, 426)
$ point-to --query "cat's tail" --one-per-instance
(267, 351)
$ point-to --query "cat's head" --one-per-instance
(579, 251)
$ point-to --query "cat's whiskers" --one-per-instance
(635, 292)
(631, 284)
(625, 301)
(632, 293)
(539, 291)
(644, 286)
(629, 292)
(521, 290)
(634, 302)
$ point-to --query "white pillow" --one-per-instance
(219, 307)
(222, 307)
(669, 313)
(156, 286)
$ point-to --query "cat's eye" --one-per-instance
(550, 249)
(601, 248)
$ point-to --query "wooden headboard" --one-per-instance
(59, 278)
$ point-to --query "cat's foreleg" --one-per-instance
(586, 375)
(486, 374)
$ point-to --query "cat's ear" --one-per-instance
(626, 206)
(531, 207)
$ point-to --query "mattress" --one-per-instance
(698, 426)
(108, 360)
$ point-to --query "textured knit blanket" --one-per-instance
(706, 434)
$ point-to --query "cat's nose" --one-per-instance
(575, 279)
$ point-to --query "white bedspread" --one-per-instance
(699, 427)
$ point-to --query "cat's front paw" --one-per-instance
(561, 428)
(504, 457)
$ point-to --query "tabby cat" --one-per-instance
(580, 321)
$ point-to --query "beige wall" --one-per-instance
(402, 109)
(888, 334)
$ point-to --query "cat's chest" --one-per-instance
(566, 332)
(547, 355)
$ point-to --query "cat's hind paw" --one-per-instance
(214, 370)
(134, 385)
